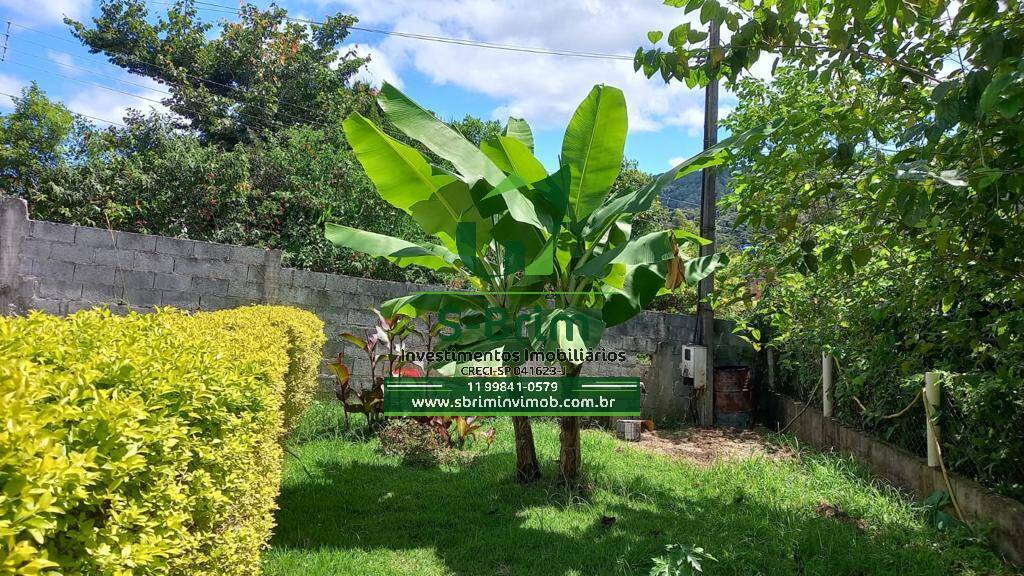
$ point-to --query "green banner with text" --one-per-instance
(513, 396)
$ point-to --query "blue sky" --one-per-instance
(665, 120)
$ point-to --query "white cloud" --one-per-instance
(113, 106)
(676, 160)
(94, 101)
(542, 88)
(692, 119)
(65, 61)
(378, 70)
(47, 11)
(10, 85)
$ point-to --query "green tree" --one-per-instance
(519, 235)
(940, 132)
(831, 255)
(887, 202)
(476, 130)
(40, 143)
(259, 74)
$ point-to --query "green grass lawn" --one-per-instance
(362, 513)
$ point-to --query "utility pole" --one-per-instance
(708, 200)
(7, 40)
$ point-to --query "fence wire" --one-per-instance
(884, 413)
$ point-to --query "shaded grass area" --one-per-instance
(365, 514)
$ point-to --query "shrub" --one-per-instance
(145, 444)
(414, 443)
(302, 331)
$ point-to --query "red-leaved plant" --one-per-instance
(384, 345)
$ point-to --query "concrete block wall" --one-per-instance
(902, 468)
(60, 268)
(68, 268)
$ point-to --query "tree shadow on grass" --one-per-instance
(477, 521)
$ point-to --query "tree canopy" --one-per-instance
(886, 206)
(261, 73)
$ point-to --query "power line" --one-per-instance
(13, 97)
(47, 34)
(255, 120)
(448, 40)
(86, 82)
(208, 82)
(233, 11)
(492, 46)
(264, 123)
(409, 35)
(676, 203)
(89, 70)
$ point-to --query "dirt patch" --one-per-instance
(704, 446)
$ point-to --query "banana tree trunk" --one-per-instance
(527, 467)
(570, 462)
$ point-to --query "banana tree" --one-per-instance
(555, 248)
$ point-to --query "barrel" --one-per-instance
(734, 397)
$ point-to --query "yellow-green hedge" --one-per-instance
(303, 333)
(147, 444)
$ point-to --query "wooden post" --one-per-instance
(933, 396)
(827, 394)
(770, 361)
(13, 230)
(708, 202)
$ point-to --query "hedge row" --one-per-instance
(147, 444)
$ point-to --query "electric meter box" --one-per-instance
(694, 365)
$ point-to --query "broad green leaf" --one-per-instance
(595, 266)
(995, 89)
(572, 330)
(690, 237)
(555, 192)
(477, 328)
(418, 305)
(677, 36)
(400, 173)
(440, 138)
(520, 130)
(492, 349)
(401, 252)
(513, 157)
(466, 246)
(629, 289)
(621, 232)
(861, 255)
(450, 206)
(526, 291)
(697, 269)
(648, 249)
(592, 147)
(544, 263)
(566, 249)
(947, 302)
(487, 203)
(520, 242)
(520, 206)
